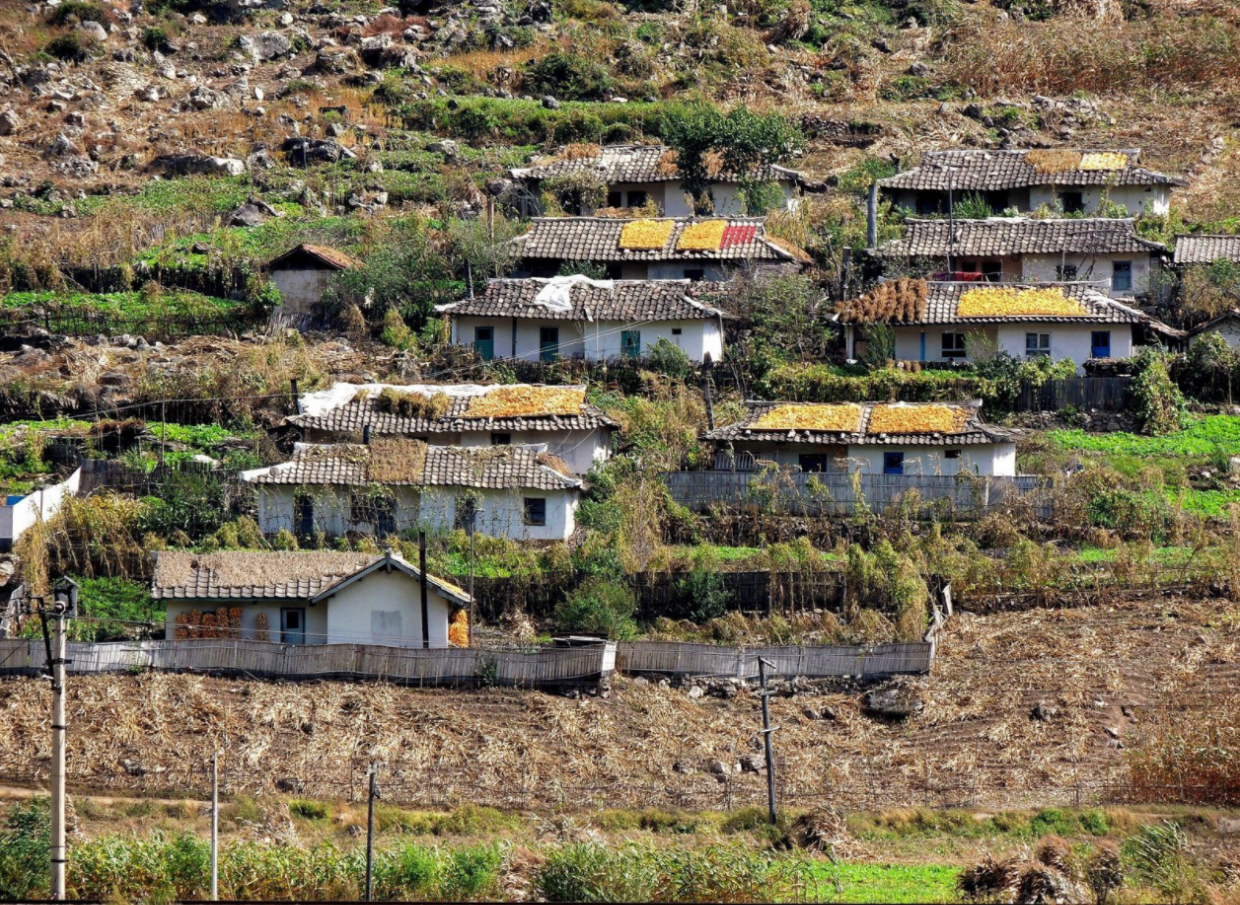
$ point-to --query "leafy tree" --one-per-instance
(575, 193)
(1157, 401)
(778, 322)
(589, 269)
(599, 607)
(708, 142)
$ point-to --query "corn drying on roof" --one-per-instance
(994, 303)
(1013, 301)
(519, 401)
(875, 424)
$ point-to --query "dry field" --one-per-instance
(975, 743)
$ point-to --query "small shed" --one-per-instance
(303, 273)
(304, 598)
(1226, 325)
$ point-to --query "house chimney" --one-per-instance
(871, 218)
(426, 610)
(366, 434)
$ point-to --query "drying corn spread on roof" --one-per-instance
(702, 236)
(519, 401)
(646, 234)
(846, 417)
(1103, 160)
(1015, 302)
(917, 419)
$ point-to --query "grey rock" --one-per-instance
(1043, 712)
(253, 213)
(265, 46)
(974, 111)
(696, 692)
(93, 31)
(447, 147)
(62, 146)
(316, 150)
(290, 784)
(550, 102)
(200, 164)
(9, 122)
(895, 701)
(753, 763)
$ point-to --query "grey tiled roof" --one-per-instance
(598, 239)
(975, 431)
(943, 302)
(983, 171)
(244, 575)
(1005, 236)
(609, 300)
(1206, 249)
(353, 416)
(632, 163)
(484, 467)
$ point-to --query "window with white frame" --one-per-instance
(1037, 345)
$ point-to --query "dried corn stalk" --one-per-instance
(844, 418)
(458, 630)
(581, 151)
(413, 405)
(520, 401)
(917, 419)
(1054, 161)
(645, 235)
(260, 627)
(703, 236)
(1012, 302)
(395, 460)
(898, 301)
(667, 163)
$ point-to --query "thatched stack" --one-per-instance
(900, 301)
(413, 405)
(396, 460)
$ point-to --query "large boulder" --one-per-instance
(253, 213)
(315, 150)
(896, 700)
(265, 46)
(200, 164)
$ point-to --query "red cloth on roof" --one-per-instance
(737, 235)
(957, 276)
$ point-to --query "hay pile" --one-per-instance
(1051, 161)
(413, 405)
(395, 460)
(900, 301)
(524, 401)
(1043, 880)
(917, 419)
(844, 417)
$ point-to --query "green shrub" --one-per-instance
(83, 12)
(308, 810)
(24, 844)
(67, 47)
(1157, 401)
(567, 76)
(667, 358)
(598, 607)
(593, 872)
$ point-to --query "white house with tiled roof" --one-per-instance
(390, 486)
(871, 438)
(1016, 249)
(956, 321)
(662, 248)
(555, 418)
(313, 597)
(637, 175)
(577, 317)
(1074, 180)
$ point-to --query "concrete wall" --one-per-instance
(501, 513)
(315, 616)
(982, 459)
(1067, 340)
(386, 608)
(1043, 268)
(301, 289)
(597, 340)
(20, 517)
(1135, 199)
(580, 449)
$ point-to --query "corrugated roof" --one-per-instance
(594, 300)
(360, 406)
(631, 163)
(943, 303)
(244, 575)
(990, 171)
(353, 464)
(598, 239)
(1206, 249)
(967, 426)
(1006, 236)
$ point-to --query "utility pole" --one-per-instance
(64, 606)
(469, 529)
(215, 826)
(767, 729)
(372, 794)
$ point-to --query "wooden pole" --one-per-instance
(215, 826)
(766, 738)
(58, 751)
(371, 794)
(426, 614)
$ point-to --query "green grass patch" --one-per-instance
(1205, 436)
(887, 883)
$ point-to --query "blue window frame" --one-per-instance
(484, 342)
(893, 463)
(548, 343)
(1121, 276)
(630, 343)
(1100, 344)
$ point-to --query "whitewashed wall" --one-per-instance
(1135, 199)
(1044, 268)
(580, 449)
(1228, 329)
(300, 290)
(501, 513)
(673, 202)
(17, 519)
(386, 608)
(316, 616)
(332, 509)
(1067, 340)
(982, 459)
(596, 340)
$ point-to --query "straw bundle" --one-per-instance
(1018, 303)
(413, 405)
(898, 301)
(843, 418)
(522, 401)
(1054, 161)
(458, 629)
(260, 627)
(917, 419)
(395, 460)
(580, 151)
(645, 235)
(667, 164)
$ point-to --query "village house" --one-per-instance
(302, 275)
(314, 597)
(954, 321)
(654, 249)
(556, 419)
(577, 317)
(1013, 250)
(1073, 181)
(871, 438)
(640, 175)
(393, 485)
